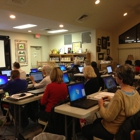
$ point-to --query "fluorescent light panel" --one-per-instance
(25, 26)
(57, 31)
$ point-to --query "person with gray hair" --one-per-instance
(46, 70)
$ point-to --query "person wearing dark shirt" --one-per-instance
(92, 82)
(94, 65)
(128, 62)
(137, 66)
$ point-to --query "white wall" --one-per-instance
(57, 42)
(32, 41)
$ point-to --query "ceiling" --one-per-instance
(48, 14)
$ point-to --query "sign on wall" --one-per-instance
(21, 54)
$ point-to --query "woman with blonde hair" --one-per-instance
(92, 82)
(54, 93)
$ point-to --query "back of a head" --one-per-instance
(76, 62)
(128, 62)
(125, 73)
(47, 69)
(94, 64)
(89, 72)
(137, 63)
(15, 74)
(56, 75)
(16, 65)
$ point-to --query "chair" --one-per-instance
(43, 123)
(135, 135)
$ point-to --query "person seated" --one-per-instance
(16, 66)
(137, 66)
(15, 85)
(92, 82)
(46, 73)
(54, 93)
(94, 65)
(128, 62)
(125, 103)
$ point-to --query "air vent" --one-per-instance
(20, 3)
(82, 18)
(47, 29)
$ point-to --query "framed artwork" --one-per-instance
(100, 56)
(107, 38)
(76, 47)
(98, 49)
(104, 43)
(99, 41)
(108, 43)
(21, 46)
(108, 51)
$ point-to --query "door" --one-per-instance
(36, 55)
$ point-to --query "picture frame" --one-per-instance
(21, 46)
(100, 56)
(99, 41)
(76, 47)
(108, 38)
(98, 49)
(108, 51)
(104, 43)
(108, 44)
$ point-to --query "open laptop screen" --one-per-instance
(76, 91)
(34, 70)
(7, 72)
(63, 67)
(80, 68)
(109, 69)
(66, 78)
(109, 82)
(3, 79)
(37, 75)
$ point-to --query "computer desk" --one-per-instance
(75, 112)
(29, 86)
(18, 104)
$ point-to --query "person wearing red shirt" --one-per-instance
(54, 93)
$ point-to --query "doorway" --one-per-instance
(36, 55)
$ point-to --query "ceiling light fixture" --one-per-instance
(29, 31)
(61, 26)
(12, 16)
(124, 14)
(97, 1)
(57, 31)
(25, 26)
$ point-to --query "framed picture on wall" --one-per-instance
(76, 47)
(100, 56)
(99, 41)
(108, 51)
(108, 43)
(104, 43)
(98, 49)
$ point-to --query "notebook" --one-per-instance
(3, 80)
(63, 67)
(66, 78)
(17, 97)
(80, 69)
(37, 91)
(110, 84)
(7, 72)
(34, 70)
(37, 76)
(78, 98)
(109, 70)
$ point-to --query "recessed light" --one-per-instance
(57, 31)
(61, 25)
(25, 26)
(128, 37)
(29, 31)
(124, 14)
(12, 16)
(97, 1)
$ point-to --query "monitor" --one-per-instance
(109, 70)
(7, 72)
(118, 65)
(34, 70)
(37, 76)
(66, 78)
(63, 67)
(3, 79)
(80, 68)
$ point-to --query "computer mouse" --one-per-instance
(22, 94)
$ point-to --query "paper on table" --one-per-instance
(103, 94)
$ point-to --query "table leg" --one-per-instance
(19, 110)
(15, 117)
(73, 129)
(66, 134)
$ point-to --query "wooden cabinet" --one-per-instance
(69, 58)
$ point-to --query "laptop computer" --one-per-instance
(110, 84)
(72, 65)
(78, 98)
(109, 70)
(37, 76)
(34, 70)
(66, 78)
(3, 80)
(7, 72)
(63, 67)
(37, 91)
(80, 69)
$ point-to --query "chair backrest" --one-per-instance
(128, 125)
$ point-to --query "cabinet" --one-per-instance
(69, 58)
